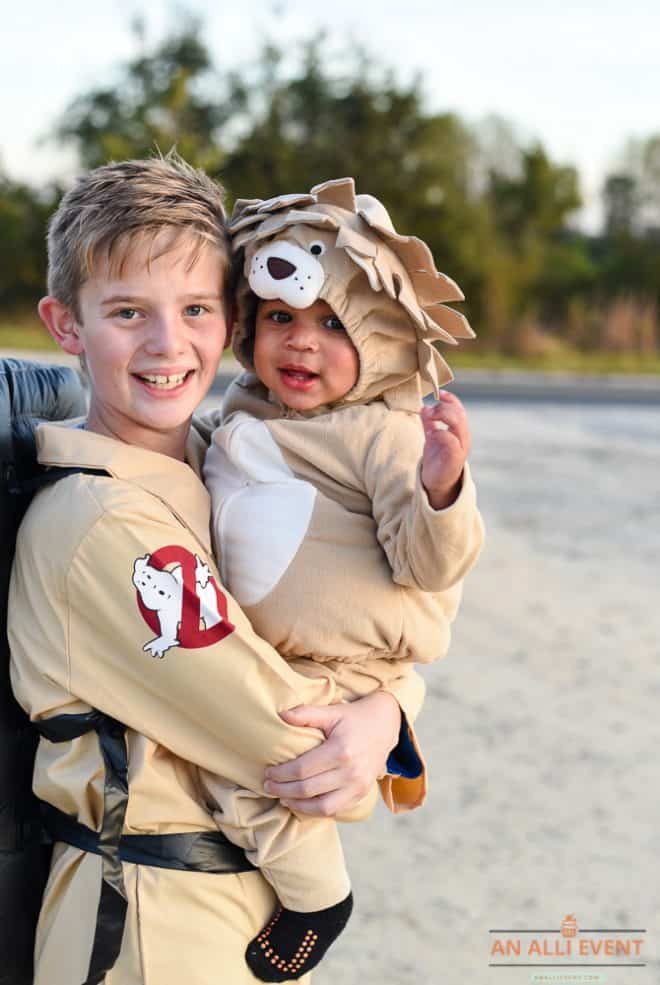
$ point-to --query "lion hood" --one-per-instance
(342, 247)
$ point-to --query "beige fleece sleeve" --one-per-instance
(426, 548)
(409, 690)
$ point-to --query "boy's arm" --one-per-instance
(426, 548)
(403, 776)
(212, 696)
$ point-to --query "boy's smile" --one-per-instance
(152, 335)
(304, 355)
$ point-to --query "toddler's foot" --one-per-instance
(293, 943)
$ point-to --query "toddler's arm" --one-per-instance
(446, 448)
(411, 466)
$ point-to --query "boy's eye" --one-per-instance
(127, 314)
(194, 310)
(334, 323)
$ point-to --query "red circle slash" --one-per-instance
(191, 637)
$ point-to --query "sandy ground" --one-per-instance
(541, 727)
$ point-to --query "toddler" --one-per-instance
(344, 516)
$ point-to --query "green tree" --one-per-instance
(537, 202)
(642, 164)
(156, 101)
(23, 217)
(629, 250)
(313, 125)
(494, 211)
(543, 266)
(621, 205)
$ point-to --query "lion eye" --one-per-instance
(317, 248)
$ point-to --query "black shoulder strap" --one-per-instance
(49, 475)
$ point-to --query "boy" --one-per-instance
(357, 523)
(135, 666)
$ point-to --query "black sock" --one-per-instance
(293, 943)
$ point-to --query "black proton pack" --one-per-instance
(29, 393)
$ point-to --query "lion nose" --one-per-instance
(279, 268)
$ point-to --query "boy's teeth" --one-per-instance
(167, 382)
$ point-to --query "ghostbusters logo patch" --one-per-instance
(179, 600)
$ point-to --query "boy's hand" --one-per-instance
(446, 447)
(336, 775)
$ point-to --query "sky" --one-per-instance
(582, 79)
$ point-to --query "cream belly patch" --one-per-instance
(265, 513)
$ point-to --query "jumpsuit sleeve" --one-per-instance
(210, 695)
(426, 548)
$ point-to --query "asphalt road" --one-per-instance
(528, 387)
(533, 387)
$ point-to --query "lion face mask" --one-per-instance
(334, 245)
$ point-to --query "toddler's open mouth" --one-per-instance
(298, 377)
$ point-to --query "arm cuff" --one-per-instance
(403, 759)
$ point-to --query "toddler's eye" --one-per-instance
(194, 310)
(317, 248)
(280, 317)
(334, 323)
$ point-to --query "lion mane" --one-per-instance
(400, 266)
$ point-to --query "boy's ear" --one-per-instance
(62, 324)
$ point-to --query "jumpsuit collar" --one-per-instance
(177, 484)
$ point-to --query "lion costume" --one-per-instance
(322, 528)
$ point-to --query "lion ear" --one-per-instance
(339, 192)
(359, 244)
(366, 264)
(361, 251)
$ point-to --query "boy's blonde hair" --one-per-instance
(114, 207)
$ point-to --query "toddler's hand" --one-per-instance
(446, 447)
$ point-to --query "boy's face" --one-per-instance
(304, 354)
(152, 337)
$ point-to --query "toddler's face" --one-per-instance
(304, 355)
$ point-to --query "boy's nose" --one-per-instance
(166, 337)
